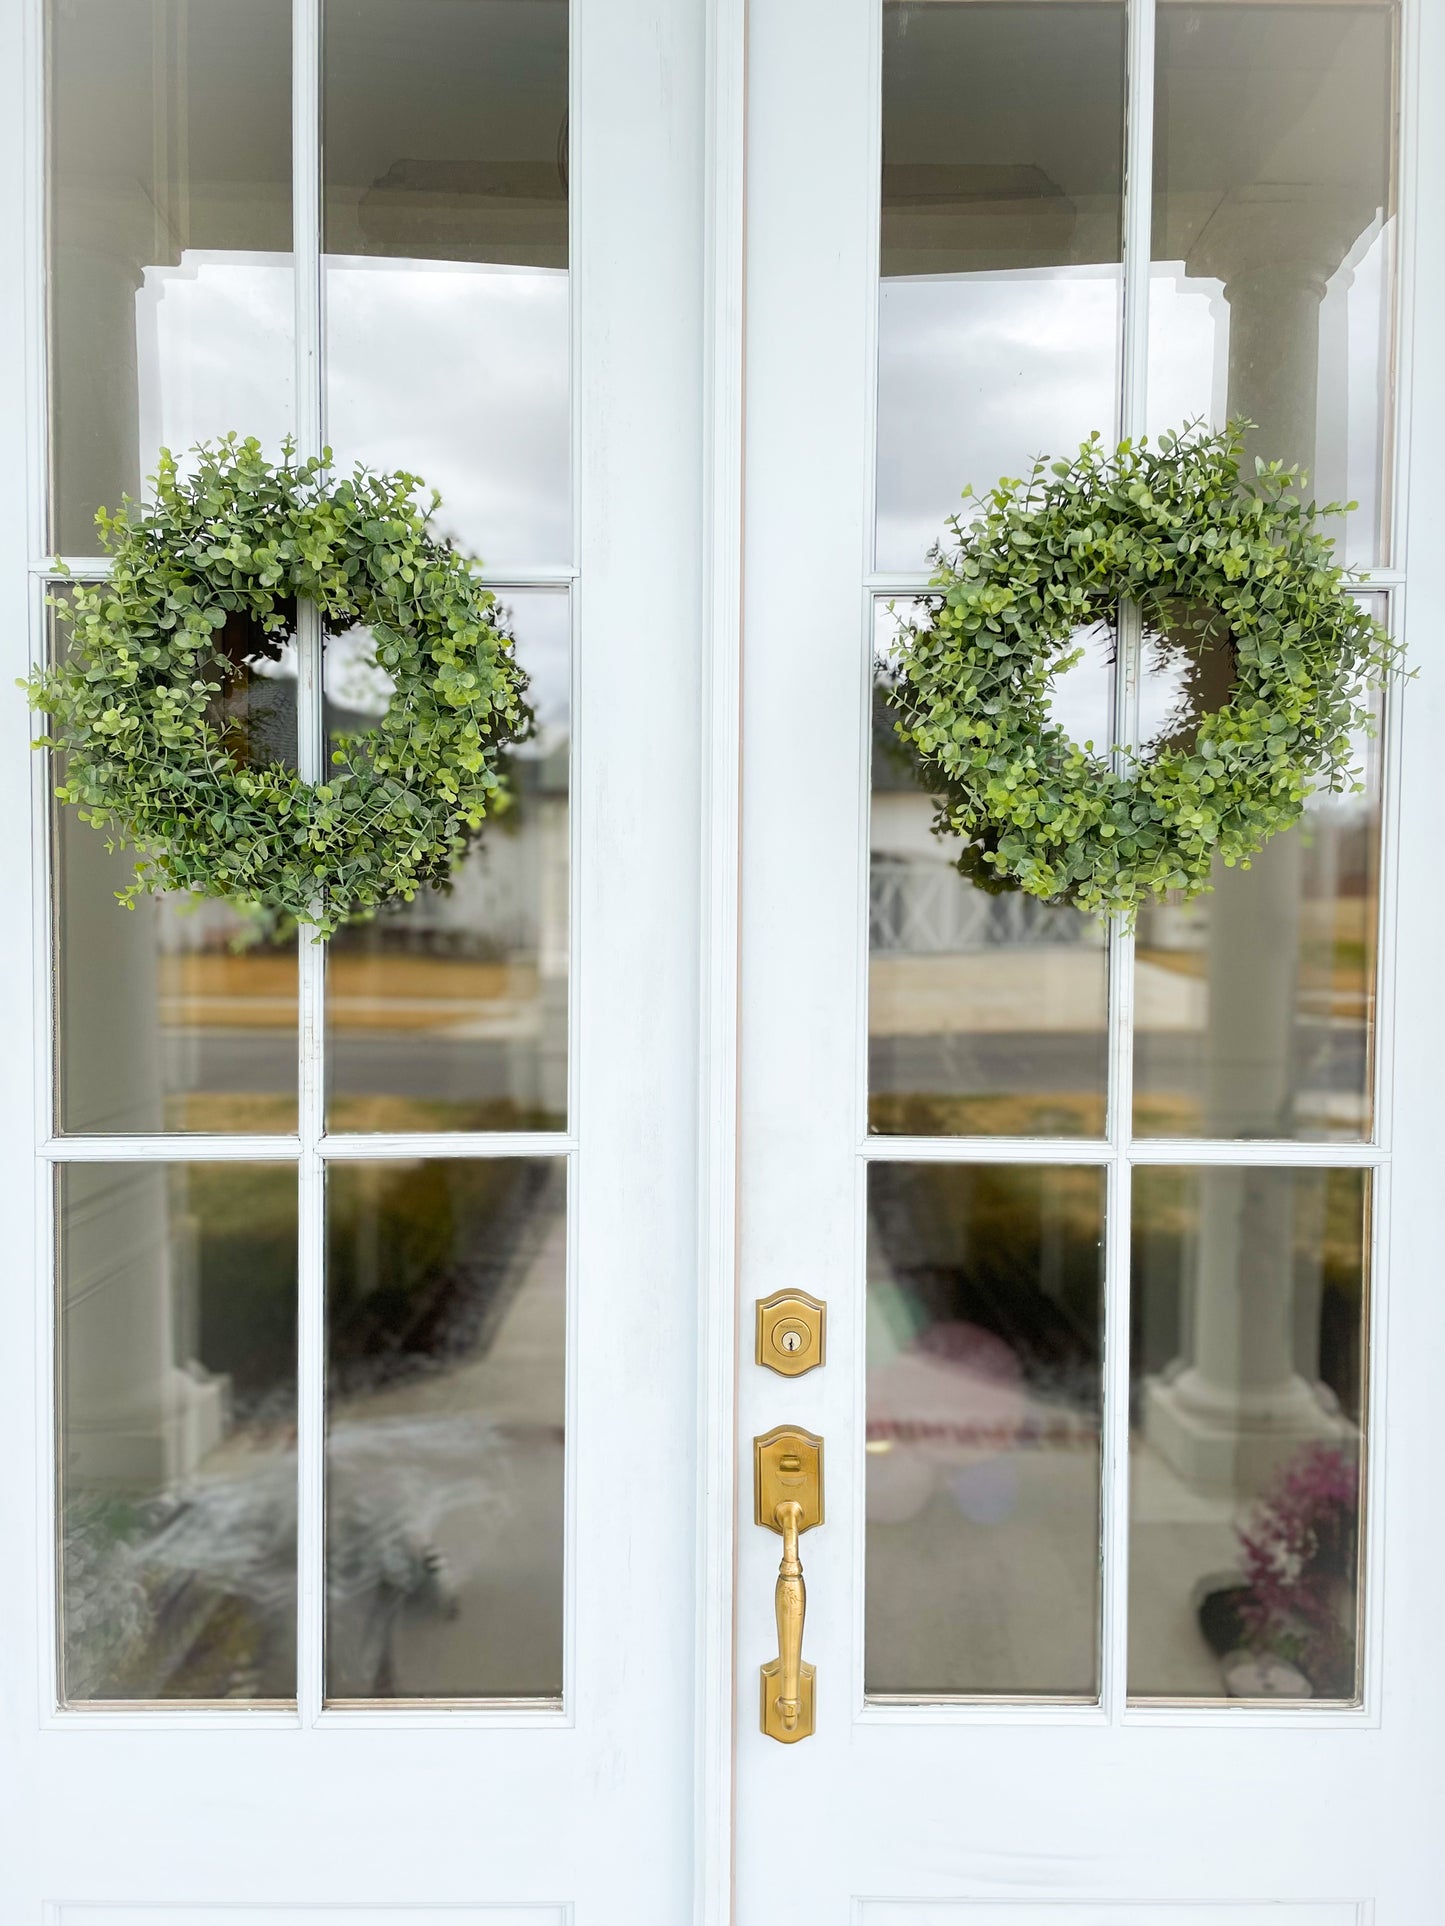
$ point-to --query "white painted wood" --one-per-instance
(887, 1912)
(724, 1040)
(482, 1815)
(719, 856)
(167, 1915)
(1035, 1814)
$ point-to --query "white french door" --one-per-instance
(382, 1371)
(1121, 1608)
(348, 1418)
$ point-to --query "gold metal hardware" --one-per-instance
(792, 1332)
(788, 1499)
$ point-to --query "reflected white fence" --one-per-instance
(919, 907)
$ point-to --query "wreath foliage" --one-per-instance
(1209, 558)
(206, 578)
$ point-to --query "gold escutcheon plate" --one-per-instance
(792, 1331)
(788, 1465)
(769, 1717)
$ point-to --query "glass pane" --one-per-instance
(179, 1014)
(447, 1339)
(1272, 284)
(445, 228)
(450, 1012)
(987, 1009)
(985, 1318)
(999, 313)
(1254, 1005)
(178, 1431)
(1248, 1374)
(170, 238)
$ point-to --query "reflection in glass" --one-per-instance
(450, 1012)
(445, 229)
(179, 1014)
(1248, 1373)
(999, 313)
(1254, 1005)
(171, 279)
(1271, 292)
(178, 1431)
(985, 1307)
(987, 1009)
(446, 1347)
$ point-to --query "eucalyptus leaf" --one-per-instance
(130, 704)
(1175, 529)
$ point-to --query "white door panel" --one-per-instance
(563, 1781)
(1068, 1765)
(890, 1912)
(1030, 1493)
(310, 1915)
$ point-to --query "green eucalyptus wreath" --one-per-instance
(1208, 558)
(205, 579)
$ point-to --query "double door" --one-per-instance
(720, 1371)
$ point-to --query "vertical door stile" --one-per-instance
(724, 162)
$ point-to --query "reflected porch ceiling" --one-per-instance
(1003, 132)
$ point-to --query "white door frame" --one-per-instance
(1416, 1560)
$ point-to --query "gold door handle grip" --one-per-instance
(790, 1604)
(788, 1499)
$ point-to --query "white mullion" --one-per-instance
(84, 567)
(1271, 1152)
(901, 582)
(1138, 180)
(411, 1146)
(1138, 215)
(180, 1149)
(97, 567)
(44, 883)
(1114, 1438)
(311, 955)
(1114, 1443)
(1288, 1152)
(1382, 1064)
(987, 1150)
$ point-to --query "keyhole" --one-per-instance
(792, 1341)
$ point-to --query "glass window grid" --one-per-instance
(1118, 1150)
(312, 1147)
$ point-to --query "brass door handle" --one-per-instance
(788, 1494)
(790, 1603)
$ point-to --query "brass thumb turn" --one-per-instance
(788, 1494)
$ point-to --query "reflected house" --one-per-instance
(986, 1010)
(173, 318)
(1254, 1007)
(445, 1010)
(1273, 183)
(999, 338)
(451, 1011)
(985, 1299)
(177, 1446)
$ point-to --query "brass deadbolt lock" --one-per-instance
(792, 1332)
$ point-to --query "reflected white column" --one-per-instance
(106, 233)
(1236, 1406)
(1240, 1408)
(135, 1419)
